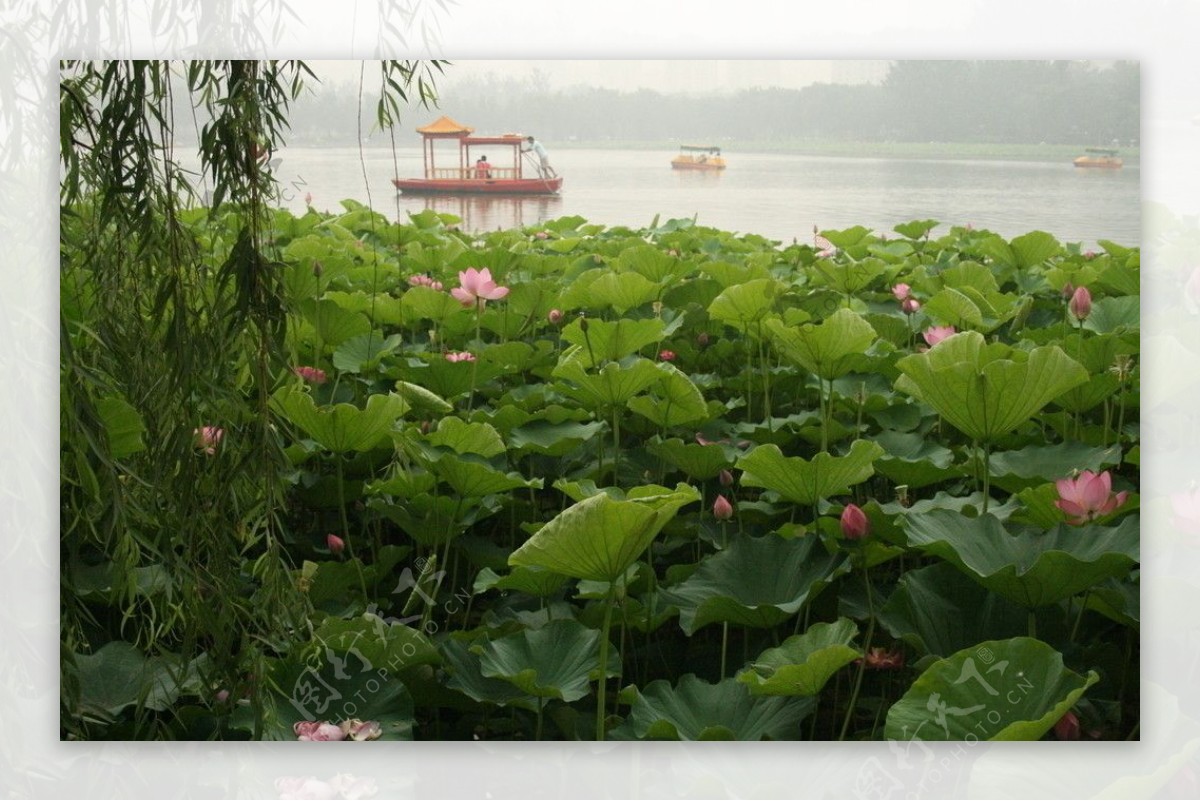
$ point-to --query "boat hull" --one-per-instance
(715, 164)
(523, 186)
(1093, 163)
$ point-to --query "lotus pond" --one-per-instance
(581, 482)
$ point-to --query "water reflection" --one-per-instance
(489, 213)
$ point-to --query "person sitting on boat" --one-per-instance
(544, 157)
(483, 169)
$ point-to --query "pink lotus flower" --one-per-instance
(361, 730)
(542, 235)
(336, 544)
(318, 730)
(667, 355)
(722, 508)
(1087, 497)
(937, 333)
(1080, 304)
(477, 287)
(901, 291)
(1067, 727)
(208, 438)
(910, 305)
(460, 356)
(855, 524)
(311, 374)
(555, 316)
(883, 659)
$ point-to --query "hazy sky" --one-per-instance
(629, 75)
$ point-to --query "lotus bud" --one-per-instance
(336, 544)
(702, 339)
(308, 198)
(726, 478)
(667, 355)
(583, 323)
(1067, 727)
(855, 524)
(1080, 305)
(722, 509)
(1068, 290)
(555, 316)
(317, 269)
(910, 305)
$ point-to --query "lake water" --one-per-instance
(778, 196)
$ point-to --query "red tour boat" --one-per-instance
(469, 176)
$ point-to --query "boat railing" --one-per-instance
(471, 173)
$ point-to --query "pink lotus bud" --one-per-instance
(910, 305)
(702, 339)
(1089, 254)
(555, 316)
(426, 426)
(726, 478)
(1080, 305)
(222, 696)
(1067, 727)
(336, 544)
(542, 235)
(308, 198)
(855, 524)
(722, 509)
(901, 291)
(1068, 290)
(667, 355)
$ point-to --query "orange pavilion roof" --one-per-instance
(444, 126)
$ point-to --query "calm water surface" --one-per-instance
(778, 196)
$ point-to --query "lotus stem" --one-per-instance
(341, 483)
(862, 665)
(604, 631)
(724, 646)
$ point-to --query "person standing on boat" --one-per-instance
(483, 168)
(544, 157)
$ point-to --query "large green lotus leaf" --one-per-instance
(421, 399)
(622, 291)
(952, 307)
(806, 482)
(467, 678)
(830, 348)
(1032, 567)
(610, 386)
(970, 274)
(599, 537)
(334, 325)
(552, 439)
(913, 460)
(118, 676)
(377, 641)
(472, 477)
(364, 352)
(333, 685)
(744, 303)
(849, 277)
(848, 237)
(987, 390)
(1110, 315)
(1034, 464)
(728, 275)
(555, 661)
(803, 663)
(1121, 279)
(938, 610)
(1098, 389)
(892, 252)
(343, 427)
(1118, 600)
(426, 303)
(758, 582)
(1033, 248)
(650, 262)
(916, 228)
(997, 690)
(674, 400)
(463, 437)
(611, 341)
(697, 710)
(535, 581)
(123, 426)
(698, 461)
